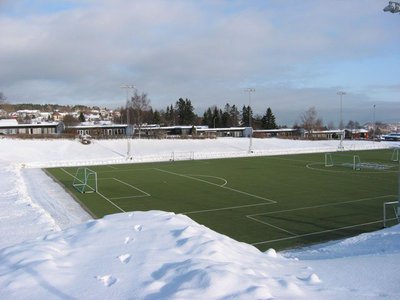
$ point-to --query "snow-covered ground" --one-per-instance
(51, 249)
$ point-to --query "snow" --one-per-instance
(51, 248)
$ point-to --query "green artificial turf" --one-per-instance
(271, 202)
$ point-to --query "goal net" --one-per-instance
(85, 180)
(342, 160)
(181, 156)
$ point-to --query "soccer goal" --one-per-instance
(395, 154)
(181, 156)
(85, 180)
(391, 211)
(342, 160)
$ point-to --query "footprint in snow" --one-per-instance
(124, 258)
(128, 240)
(138, 227)
(107, 280)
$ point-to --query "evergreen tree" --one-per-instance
(234, 116)
(185, 112)
(81, 117)
(156, 117)
(170, 115)
(208, 118)
(247, 116)
(268, 120)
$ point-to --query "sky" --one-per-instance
(294, 54)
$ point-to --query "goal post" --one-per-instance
(395, 154)
(85, 180)
(328, 160)
(391, 214)
(342, 160)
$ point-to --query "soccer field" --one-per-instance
(272, 201)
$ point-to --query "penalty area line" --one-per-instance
(111, 202)
(223, 208)
(315, 233)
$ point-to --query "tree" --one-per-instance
(353, 125)
(139, 105)
(170, 115)
(81, 117)
(208, 118)
(247, 116)
(185, 112)
(234, 116)
(3, 98)
(156, 117)
(310, 120)
(70, 120)
(268, 120)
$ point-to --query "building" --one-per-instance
(281, 132)
(100, 130)
(11, 127)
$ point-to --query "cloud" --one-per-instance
(208, 51)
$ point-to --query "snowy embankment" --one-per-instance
(51, 248)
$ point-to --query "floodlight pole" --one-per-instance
(128, 87)
(250, 90)
(373, 135)
(398, 191)
(340, 93)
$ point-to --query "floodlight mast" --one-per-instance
(393, 7)
(128, 87)
(250, 90)
(341, 93)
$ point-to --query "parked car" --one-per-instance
(391, 137)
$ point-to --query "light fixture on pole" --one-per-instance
(128, 87)
(340, 93)
(393, 7)
(250, 90)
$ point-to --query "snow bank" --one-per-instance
(158, 255)
(362, 267)
(148, 255)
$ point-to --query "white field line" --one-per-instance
(269, 224)
(112, 167)
(98, 193)
(214, 184)
(315, 233)
(209, 176)
(73, 176)
(111, 202)
(223, 208)
(321, 205)
(134, 187)
(346, 170)
(125, 170)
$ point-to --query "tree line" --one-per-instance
(139, 111)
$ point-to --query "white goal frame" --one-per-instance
(355, 162)
(395, 154)
(396, 211)
(85, 180)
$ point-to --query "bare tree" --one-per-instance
(139, 105)
(310, 120)
(3, 98)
